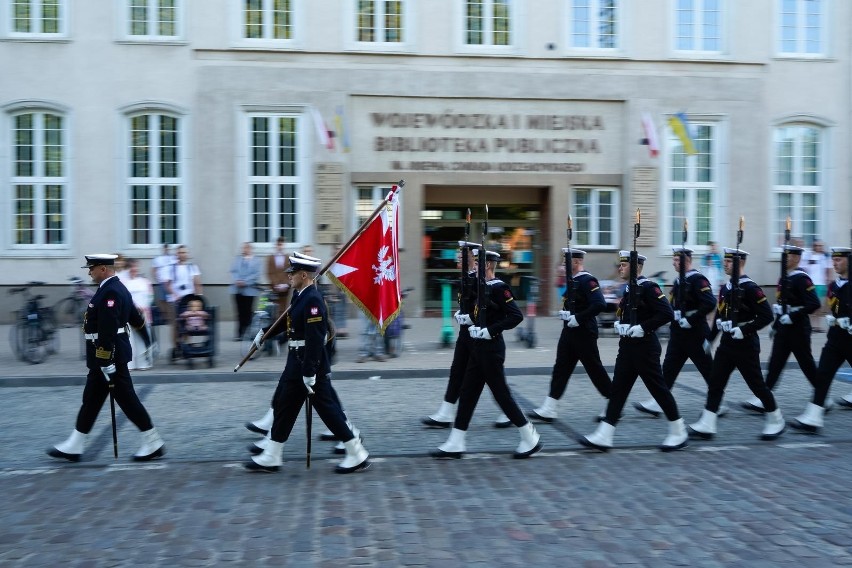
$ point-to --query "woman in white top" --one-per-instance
(143, 295)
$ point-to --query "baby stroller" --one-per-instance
(194, 339)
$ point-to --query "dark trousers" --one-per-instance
(746, 360)
(683, 346)
(290, 396)
(796, 341)
(834, 353)
(639, 357)
(485, 367)
(458, 367)
(578, 345)
(245, 311)
(96, 392)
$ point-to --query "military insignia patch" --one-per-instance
(110, 303)
(102, 353)
(507, 293)
(314, 310)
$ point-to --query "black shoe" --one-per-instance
(256, 467)
(843, 402)
(536, 416)
(254, 450)
(585, 442)
(528, 453)
(256, 429)
(54, 453)
(328, 437)
(696, 434)
(363, 466)
(642, 408)
(506, 424)
(428, 421)
(808, 428)
(158, 453)
(442, 455)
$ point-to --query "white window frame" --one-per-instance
(594, 229)
(39, 181)
(516, 27)
(798, 189)
(698, 19)
(267, 42)
(154, 180)
(152, 7)
(351, 37)
(594, 25)
(36, 11)
(378, 193)
(800, 30)
(674, 226)
(303, 228)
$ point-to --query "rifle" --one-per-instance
(784, 280)
(569, 271)
(634, 272)
(481, 300)
(681, 288)
(464, 262)
(736, 291)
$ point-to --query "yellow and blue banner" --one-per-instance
(680, 126)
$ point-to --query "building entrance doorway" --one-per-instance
(513, 231)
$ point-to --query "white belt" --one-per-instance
(296, 343)
(93, 336)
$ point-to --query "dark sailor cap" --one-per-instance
(677, 251)
(299, 261)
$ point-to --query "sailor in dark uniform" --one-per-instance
(795, 301)
(838, 344)
(639, 356)
(307, 372)
(689, 330)
(108, 351)
(446, 413)
(578, 341)
(742, 313)
(485, 366)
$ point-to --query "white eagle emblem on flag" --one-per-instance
(385, 269)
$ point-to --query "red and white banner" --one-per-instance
(368, 270)
(650, 132)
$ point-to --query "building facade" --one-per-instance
(132, 123)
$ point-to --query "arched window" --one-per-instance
(797, 180)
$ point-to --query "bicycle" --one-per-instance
(262, 318)
(33, 336)
(69, 311)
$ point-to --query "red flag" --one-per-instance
(368, 270)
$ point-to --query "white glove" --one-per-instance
(684, 324)
(785, 319)
(778, 309)
(622, 328)
(258, 339)
(107, 371)
(725, 325)
(677, 315)
(844, 323)
(564, 315)
(463, 319)
(310, 381)
(474, 331)
(737, 333)
(706, 346)
(482, 333)
(572, 321)
(636, 331)
(831, 321)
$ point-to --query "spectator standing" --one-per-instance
(245, 273)
(182, 278)
(276, 272)
(161, 268)
(818, 265)
(142, 292)
(712, 265)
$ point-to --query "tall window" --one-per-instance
(37, 18)
(797, 180)
(594, 213)
(153, 19)
(155, 183)
(39, 198)
(268, 19)
(593, 24)
(693, 184)
(276, 177)
(802, 27)
(698, 25)
(380, 21)
(488, 22)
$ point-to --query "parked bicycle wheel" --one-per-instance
(16, 342)
(258, 321)
(69, 312)
(33, 341)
